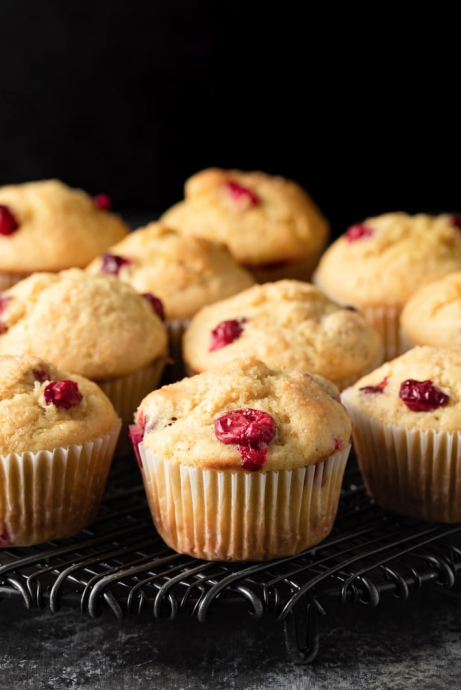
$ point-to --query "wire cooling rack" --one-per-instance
(121, 564)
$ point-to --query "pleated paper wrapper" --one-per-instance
(53, 494)
(127, 392)
(241, 516)
(412, 472)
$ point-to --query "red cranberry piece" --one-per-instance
(41, 375)
(338, 443)
(8, 223)
(136, 432)
(252, 431)
(63, 394)
(422, 396)
(379, 388)
(356, 232)
(225, 333)
(111, 263)
(103, 201)
(242, 195)
(455, 221)
(156, 303)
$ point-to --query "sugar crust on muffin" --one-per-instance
(94, 325)
(287, 324)
(263, 219)
(58, 227)
(390, 259)
(30, 423)
(440, 366)
(311, 425)
(185, 272)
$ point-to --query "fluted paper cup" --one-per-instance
(242, 516)
(412, 472)
(53, 494)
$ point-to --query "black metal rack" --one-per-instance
(121, 564)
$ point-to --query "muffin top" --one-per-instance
(42, 407)
(263, 219)
(92, 325)
(285, 324)
(386, 259)
(245, 416)
(419, 390)
(48, 227)
(433, 315)
(185, 272)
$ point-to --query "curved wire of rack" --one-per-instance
(122, 565)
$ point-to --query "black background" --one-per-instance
(131, 97)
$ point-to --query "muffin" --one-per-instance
(287, 324)
(47, 226)
(270, 224)
(57, 440)
(243, 462)
(377, 266)
(184, 272)
(91, 325)
(432, 316)
(406, 430)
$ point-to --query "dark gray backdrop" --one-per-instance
(132, 96)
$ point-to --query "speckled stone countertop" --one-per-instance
(397, 646)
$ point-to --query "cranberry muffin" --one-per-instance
(57, 440)
(184, 272)
(406, 429)
(47, 226)
(243, 462)
(378, 265)
(270, 224)
(432, 316)
(91, 325)
(287, 324)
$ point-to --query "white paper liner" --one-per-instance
(241, 516)
(7, 280)
(413, 472)
(126, 392)
(53, 494)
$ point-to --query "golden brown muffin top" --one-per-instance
(433, 315)
(38, 413)
(309, 424)
(287, 324)
(433, 394)
(263, 219)
(386, 259)
(58, 227)
(92, 325)
(185, 272)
